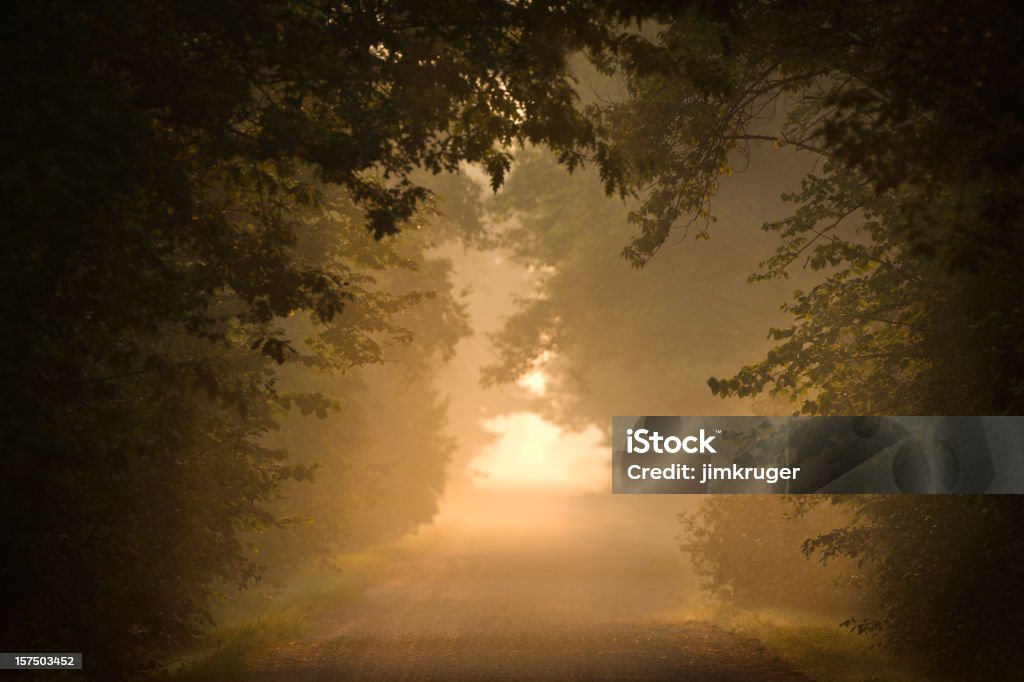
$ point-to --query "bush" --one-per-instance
(948, 573)
(746, 550)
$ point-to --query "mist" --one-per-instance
(316, 316)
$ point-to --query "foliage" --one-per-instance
(815, 646)
(911, 95)
(380, 462)
(252, 628)
(912, 211)
(747, 551)
(604, 335)
(881, 317)
(235, 648)
(911, 216)
(170, 466)
(948, 574)
(183, 225)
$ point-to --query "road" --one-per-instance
(476, 609)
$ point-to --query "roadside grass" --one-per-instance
(816, 645)
(226, 654)
(252, 624)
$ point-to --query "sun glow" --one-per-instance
(532, 452)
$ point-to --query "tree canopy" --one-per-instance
(907, 119)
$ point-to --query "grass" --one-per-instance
(817, 646)
(228, 651)
(255, 623)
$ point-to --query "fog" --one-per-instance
(316, 316)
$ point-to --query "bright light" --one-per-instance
(532, 452)
(535, 382)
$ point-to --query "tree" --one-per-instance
(746, 549)
(604, 335)
(173, 165)
(379, 454)
(908, 111)
(882, 318)
(906, 120)
(947, 574)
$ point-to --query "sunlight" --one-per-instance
(532, 452)
(535, 382)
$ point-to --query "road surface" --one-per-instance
(516, 610)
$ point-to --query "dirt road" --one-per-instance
(480, 610)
